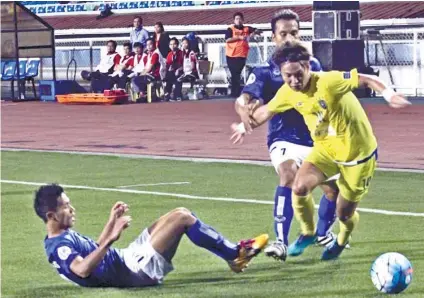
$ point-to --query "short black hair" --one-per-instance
(176, 40)
(115, 44)
(46, 199)
(140, 18)
(138, 45)
(285, 14)
(239, 14)
(150, 39)
(291, 52)
(128, 44)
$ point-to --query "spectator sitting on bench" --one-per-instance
(190, 73)
(138, 60)
(151, 72)
(174, 66)
(100, 79)
(123, 69)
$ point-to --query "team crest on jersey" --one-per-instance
(346, 75)
(323, 104)
(63, 252)
(251, 79)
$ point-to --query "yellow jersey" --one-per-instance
(333, 114)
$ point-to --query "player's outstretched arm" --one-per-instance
(83, 267)
(259, 116)
(244, 107)
(394, 99)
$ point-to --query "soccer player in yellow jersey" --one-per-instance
(343, 139)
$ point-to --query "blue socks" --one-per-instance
(205, 236)
(326, 216)
(283, 213)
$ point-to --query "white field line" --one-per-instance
(178, 158)
(154, 184)
(194, 197)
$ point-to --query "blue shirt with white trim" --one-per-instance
(63, 249)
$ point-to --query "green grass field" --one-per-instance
(26, 272)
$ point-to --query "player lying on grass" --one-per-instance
(288, 140)
(146, 261)
(343, 139)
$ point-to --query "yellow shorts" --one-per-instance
(354, 180)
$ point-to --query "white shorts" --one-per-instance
(281, 151)
(143, 260)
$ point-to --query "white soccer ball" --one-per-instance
(391, 273)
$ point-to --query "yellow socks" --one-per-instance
(303, 207)
(346, 228)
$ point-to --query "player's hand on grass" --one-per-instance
(237, 136)
(398, 101)
(121, 224)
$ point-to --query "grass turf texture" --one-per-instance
(26, 272)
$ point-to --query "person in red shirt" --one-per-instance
(123, 69)
(190, 73)
(151, 72)
(137, 66)
(174, 67)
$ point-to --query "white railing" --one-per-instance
(404, 51)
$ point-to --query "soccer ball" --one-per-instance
(391, 273)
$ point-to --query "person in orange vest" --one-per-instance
(237, 49)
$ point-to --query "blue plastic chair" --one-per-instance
(3, 63)
(22, 70)
(8, 74)
(31, 73)
(21, 78)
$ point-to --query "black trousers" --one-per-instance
(235, 65)
(140, 82)
(172, 80)
(99, 81)
(121, 82)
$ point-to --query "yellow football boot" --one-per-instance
(247, 250)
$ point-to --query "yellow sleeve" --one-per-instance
(339, 83)
(278, 104)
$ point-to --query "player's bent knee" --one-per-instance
(183, 215)
(300, 188)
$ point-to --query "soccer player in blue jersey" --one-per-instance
(146, 261)
(289, 141)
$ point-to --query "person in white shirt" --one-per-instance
(99, 78)
(138, 60)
